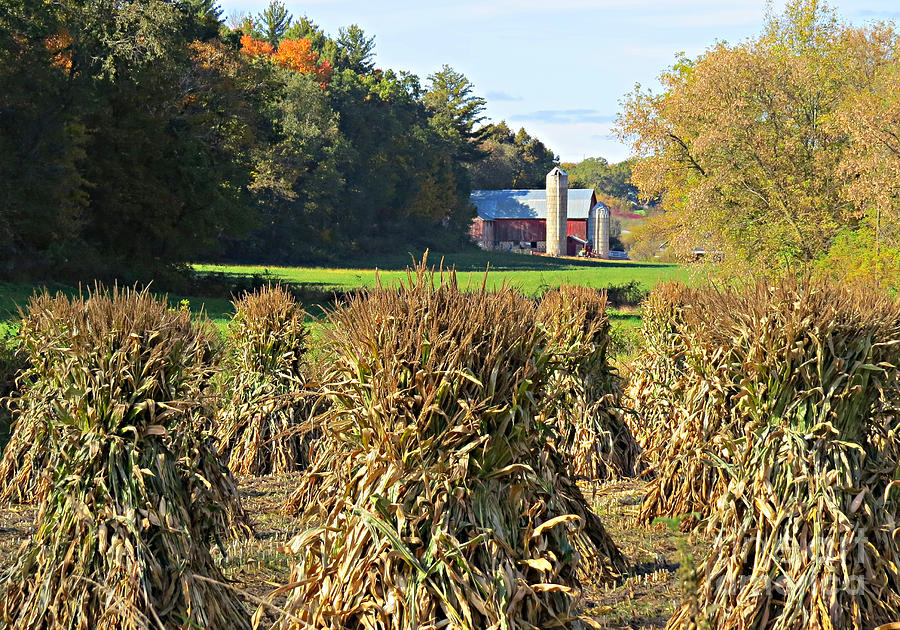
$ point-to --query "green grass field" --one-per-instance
(530, 274)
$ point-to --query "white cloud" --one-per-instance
(502, 96)
(564, 116)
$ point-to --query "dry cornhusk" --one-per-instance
(11, 363)
(807, 536)
(438, 500)
(680, 391)
(261, 426)
(804, 457)
(135, 492)
(582, 401)
(657, 375)
(739, 356)
(59, 334)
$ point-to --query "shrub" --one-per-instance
(582, 400)
(11, 363)
(624, 344)
(260, 425)
(436, 497)
(135, 495)
(632, 293)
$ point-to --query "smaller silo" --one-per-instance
(598, 230)
(557, 211)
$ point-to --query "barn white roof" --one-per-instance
(527, 204)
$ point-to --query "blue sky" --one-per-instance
(557, 67)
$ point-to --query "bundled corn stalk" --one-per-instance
(582, 400)
(136, 494)
(261, 424)
(657, 375)
(438, 500)
(807, 521)
(807, 538)
(23, 477)
(682, 390)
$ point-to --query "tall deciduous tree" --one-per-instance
(871, 170)
(41, 138)
(121, 151)
(739, 144)
(611, 179)
(137, 135)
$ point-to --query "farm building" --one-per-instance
(516, 220)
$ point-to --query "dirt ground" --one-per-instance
(256, 567)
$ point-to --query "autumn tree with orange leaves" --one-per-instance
(293, 54)
(298, 55)
(256, 47)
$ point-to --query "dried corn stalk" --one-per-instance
(435, 497)
(136, 494)
(582, 398)
(657, 375)
(680, 399)
(807, 537)
(260, 426)
(11, 364)
(795, 380)
(788, 350)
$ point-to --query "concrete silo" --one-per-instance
(598, 230)
(557, 208)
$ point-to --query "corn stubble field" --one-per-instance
(440, 458)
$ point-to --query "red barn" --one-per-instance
(516, 220)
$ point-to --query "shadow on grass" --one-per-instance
(472, 261)
(498, 261)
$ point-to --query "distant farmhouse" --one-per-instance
(556, 221)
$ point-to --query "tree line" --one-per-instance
(139, 135)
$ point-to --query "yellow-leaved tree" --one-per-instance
(746, 145)
(871, 167)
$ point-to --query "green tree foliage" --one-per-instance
(745, 144)
(124, 160)
(305, 28)
(456, 113)
(870, 247)
(357, 48)
(40, 138)
(208, 21)
(512, 160)
(357, 167)
(274, 21)
(610, 179)
(140, 135)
